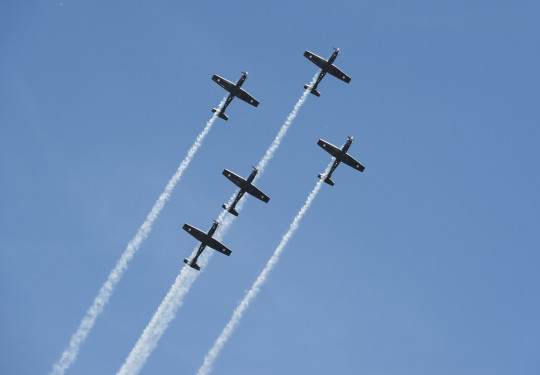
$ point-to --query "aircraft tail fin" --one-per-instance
(220, 114)
(193, 265)
(313, 91)
(327, 180)
(230, 210)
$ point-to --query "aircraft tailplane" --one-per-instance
(230, 209)
(192, 264)
(220, 114)
(313, 91)
(327, 180)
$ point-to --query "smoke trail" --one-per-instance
(71, 352)
(168, 307)
(211, 356)
(270, 152)
(182, 284)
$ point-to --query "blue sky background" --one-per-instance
(425, 263)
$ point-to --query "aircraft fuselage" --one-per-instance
(332, 58)
(245, 186)
(206, 240)
(324, 68)
(252, 175)
(235, 91)
(203, 245)
(241, 80)
(242, 187)
(341, 156)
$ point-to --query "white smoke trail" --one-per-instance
(212, 354)
(270, 152)
(168, 307)
(71, 352)
(175, 297)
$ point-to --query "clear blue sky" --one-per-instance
(425, 263)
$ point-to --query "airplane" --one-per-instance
(327, 66)
(206, 240)
(234, 90)
(245, 187)
(341, 156)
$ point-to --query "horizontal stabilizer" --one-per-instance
(192, 264)
(327, 180)
(313, 91)
(220, 114)
(230, 210)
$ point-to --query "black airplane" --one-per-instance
(245, 187)
(206, 240)
(327, 66)
(341, 156)
(235, 90)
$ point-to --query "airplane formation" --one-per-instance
(245, 185)
(207, 239)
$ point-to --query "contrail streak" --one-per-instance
(168, 308)
(211, 356)
(70, 354)
(182, 284)
(273, 147)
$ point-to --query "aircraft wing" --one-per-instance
(242, 94)
(317, 60)
(330, 148)
(218, 246)
(334, 70)
(197, 233)
(237, 180)
(351, 162)
(226, 84)
(257, 193)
